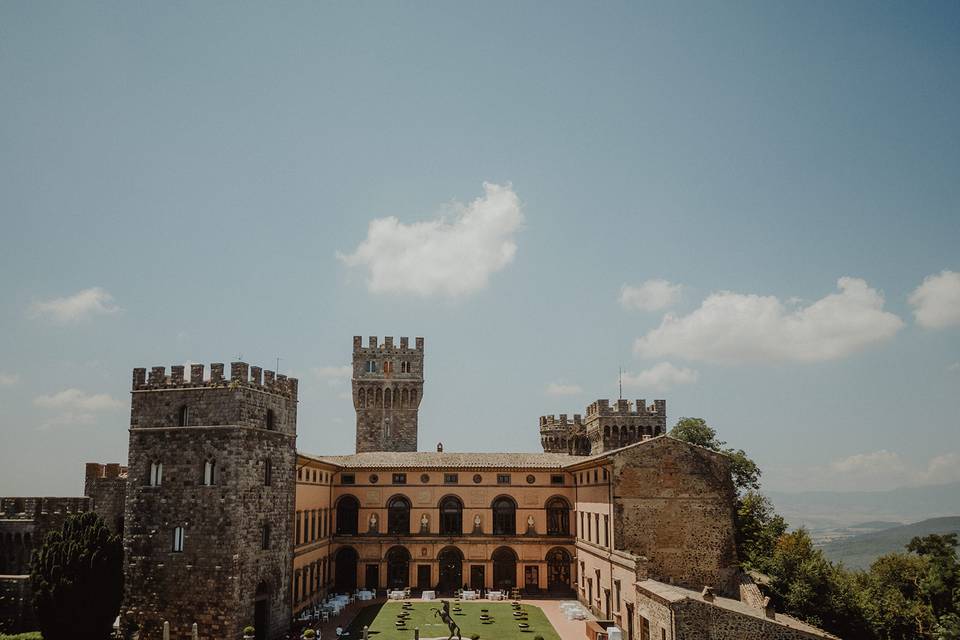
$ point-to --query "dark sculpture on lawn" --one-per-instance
(448, 619)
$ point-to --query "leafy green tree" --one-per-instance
(759, 527)
(77, 578)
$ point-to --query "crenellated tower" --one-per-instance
(208, 524)
(387, 389)
(606, 426)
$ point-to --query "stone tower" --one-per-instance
(604, 428)
(208, 524)
(387, 388)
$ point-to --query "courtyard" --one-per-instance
(500, 624)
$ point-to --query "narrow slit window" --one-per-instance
(178, 539)
(209, 473)
(156, 474)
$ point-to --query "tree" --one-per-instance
(758, 527)
(77, 578)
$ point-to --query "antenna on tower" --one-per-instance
(620, 380)
(278, 365)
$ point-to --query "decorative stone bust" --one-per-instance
(424, 523)
(531, 525)
(477, 529)
(374, 528)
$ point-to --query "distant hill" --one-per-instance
(831, 510)
(859, 551)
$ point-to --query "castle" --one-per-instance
(226, 524)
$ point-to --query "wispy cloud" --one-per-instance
(936, 302)
(660, 377)
(735, 328)
(9, 379)
(651, 295)
(79, 306)
(442, 257)
(75, 406)
(562, 389)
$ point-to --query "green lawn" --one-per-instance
(381, 618)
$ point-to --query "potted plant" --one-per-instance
(475, 636)
(248, 633)
(309, 634)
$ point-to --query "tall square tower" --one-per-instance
(208, 525)
(387, 388)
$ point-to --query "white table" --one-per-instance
(428, 595)
(469, 595)
(365, 595)
(396, 595)
(494, 595)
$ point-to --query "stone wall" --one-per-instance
(387, 390)
(106, 486)
(16, 605)
(224, 568)
(695, 619)
(674, 505)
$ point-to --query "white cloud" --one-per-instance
(334, 376)
(75, 407)
(887, 469)
(442, 257)
(79, 306)
(745, 328)
(953, 367)
(651, 295)
(8, 379)
(660, 377)
(936, 302)
(344, 371)
(77, 399)
(562, 389)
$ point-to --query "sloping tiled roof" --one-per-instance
(673, 593)
(451, 460)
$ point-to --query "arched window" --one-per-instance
(558, 517)
(504, 517)
(398, 515)
(209, 473)
(345, 570)
(361, 396)
(156, 474)
(558, 570)
(267, 472)
(270, 419)
(178, 539)
(183, 416)
(451, 516)
(348, 510)
(387, 398)
(450, 565)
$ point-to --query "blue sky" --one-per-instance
(191, 182)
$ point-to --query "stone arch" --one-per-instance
(559, 564)
(345, 569)
(450, 567)
(558, 516)
(398, 567)
(504, 561)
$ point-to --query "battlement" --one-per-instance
(624, 407)
(97, 471)
(387, 345)
(241, 375)
(29, 507)
(561, 423)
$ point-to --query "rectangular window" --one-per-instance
(178, 539)
(371, 366)
(265, 537)
(503, 478)
(299, 516)
(606, 530)
(347, 478)
(596, 526)
(399, 478)
(557, 478)
(616, 590)
(451, 478)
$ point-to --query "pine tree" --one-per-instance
(77, 578)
